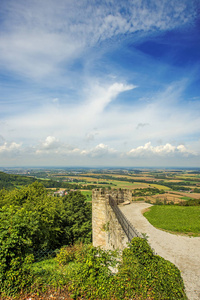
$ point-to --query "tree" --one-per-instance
(78, 220)
(31, 220)
(16, 225)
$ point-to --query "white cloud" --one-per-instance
(54, 152)
(99, 151)
(162, 150)
(9, 147)
(50, 143)
(101, 96)
(182, 149)
(75, 124)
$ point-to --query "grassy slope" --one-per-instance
(175, 218)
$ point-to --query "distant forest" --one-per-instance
(10, 181)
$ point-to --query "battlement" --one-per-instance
(119, 195)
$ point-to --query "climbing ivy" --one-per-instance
(140, 275)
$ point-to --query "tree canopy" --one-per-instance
(32, 221)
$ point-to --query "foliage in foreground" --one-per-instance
(32, 221)
(182, 219)
(88, 273)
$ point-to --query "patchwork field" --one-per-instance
(149, 185)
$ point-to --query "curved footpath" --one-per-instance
(182, 251)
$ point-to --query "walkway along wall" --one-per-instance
(110, 228)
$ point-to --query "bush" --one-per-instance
(17, 275)
(15, 257)
(141, 274)
(93, 276)
(147, 275)
(158, 202)
(70, 253)
(65, 255)
(190, 202)
(32, 222)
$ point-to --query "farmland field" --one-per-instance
(158, 186)
(176, 219)
(162, 185)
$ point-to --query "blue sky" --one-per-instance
(100, 83)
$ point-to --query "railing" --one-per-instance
(128, 228)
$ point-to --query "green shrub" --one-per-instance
(158, 202)
(32, 222)
(141, 275)
(93, 276)
(147, 275)
(17, 275)
(140, 199)
(70, 253)
(65, 255)
(15, 257)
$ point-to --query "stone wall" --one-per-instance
(106, 230)
(99, 218)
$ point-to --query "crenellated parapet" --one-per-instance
(119, 195)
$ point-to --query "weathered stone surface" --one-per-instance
(107, 232)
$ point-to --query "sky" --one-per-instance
(100, 83)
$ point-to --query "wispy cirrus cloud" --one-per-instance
(75, 83)
(36, 38)
(101, 96)
(164, 117)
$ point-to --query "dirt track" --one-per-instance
(182, 251)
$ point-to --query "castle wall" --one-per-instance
(107, 232)
(99, 218)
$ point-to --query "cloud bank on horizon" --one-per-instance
(100, 83)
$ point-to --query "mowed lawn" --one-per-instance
(177, 219)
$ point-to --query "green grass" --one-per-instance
(186, 198)
(48, 273)
(45, 265)
(175, 218)
(126, 184)
(87, 194)
(160, 187)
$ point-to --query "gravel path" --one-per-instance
(182, 251)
